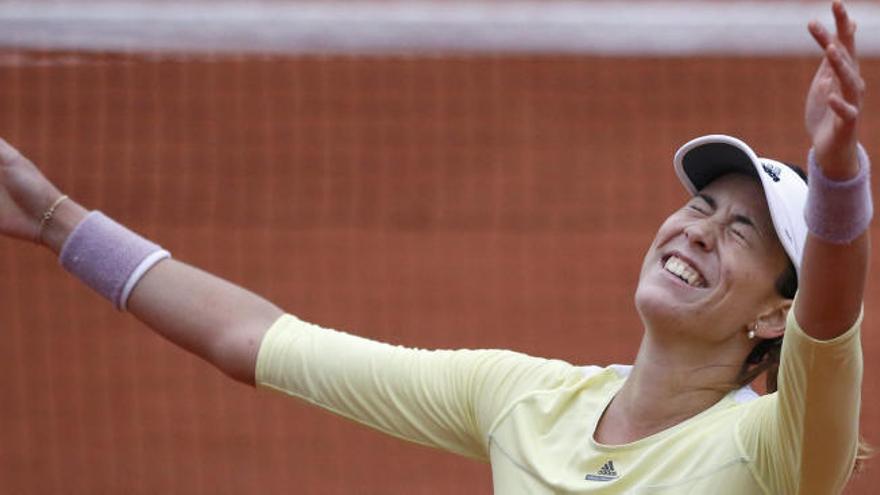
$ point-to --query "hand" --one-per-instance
(25, 194)
(835, 97)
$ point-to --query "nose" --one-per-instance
(702, 233)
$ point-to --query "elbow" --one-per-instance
(236, 357)
(235, 352)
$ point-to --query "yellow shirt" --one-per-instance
(534, 418)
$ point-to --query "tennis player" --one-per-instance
(756, 271)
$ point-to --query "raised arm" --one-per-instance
(204, 314)
(833, 273)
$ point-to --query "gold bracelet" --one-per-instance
(47, 216)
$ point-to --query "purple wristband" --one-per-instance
(839, 211)
(108, 257)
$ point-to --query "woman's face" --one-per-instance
(712, 267)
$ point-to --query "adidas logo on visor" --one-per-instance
(772, 170)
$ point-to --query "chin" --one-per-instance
(656, 305)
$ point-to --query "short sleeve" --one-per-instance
(446, 399)
(804, 437)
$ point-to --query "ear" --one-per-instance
(771, 324)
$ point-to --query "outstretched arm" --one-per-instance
(806, 440)
(833, 275)
(444, 399)
(204, 314)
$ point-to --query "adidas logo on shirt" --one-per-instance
(606, 473)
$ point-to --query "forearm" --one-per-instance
(832, 288)
(204, 314)
(833, 274)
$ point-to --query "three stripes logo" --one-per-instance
(772, 170)
(606, 473)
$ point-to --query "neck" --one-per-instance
(669, 383)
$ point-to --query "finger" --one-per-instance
(847, 112)
(820, 34)
(846, 28)
(852, 86)
(842, 53)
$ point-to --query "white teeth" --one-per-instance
(684, 271)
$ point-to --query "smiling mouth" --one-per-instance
(684, 271)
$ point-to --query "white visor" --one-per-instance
(702, 160)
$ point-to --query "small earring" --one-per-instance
(753, 328)
(751, 335)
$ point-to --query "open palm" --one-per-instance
(835, 97)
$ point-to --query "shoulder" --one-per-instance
(579, 386)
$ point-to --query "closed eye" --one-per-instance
(738, 233)
(703, 203)
(744, 220)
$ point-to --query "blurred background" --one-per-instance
(434, 174)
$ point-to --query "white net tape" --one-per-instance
(612, 28)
